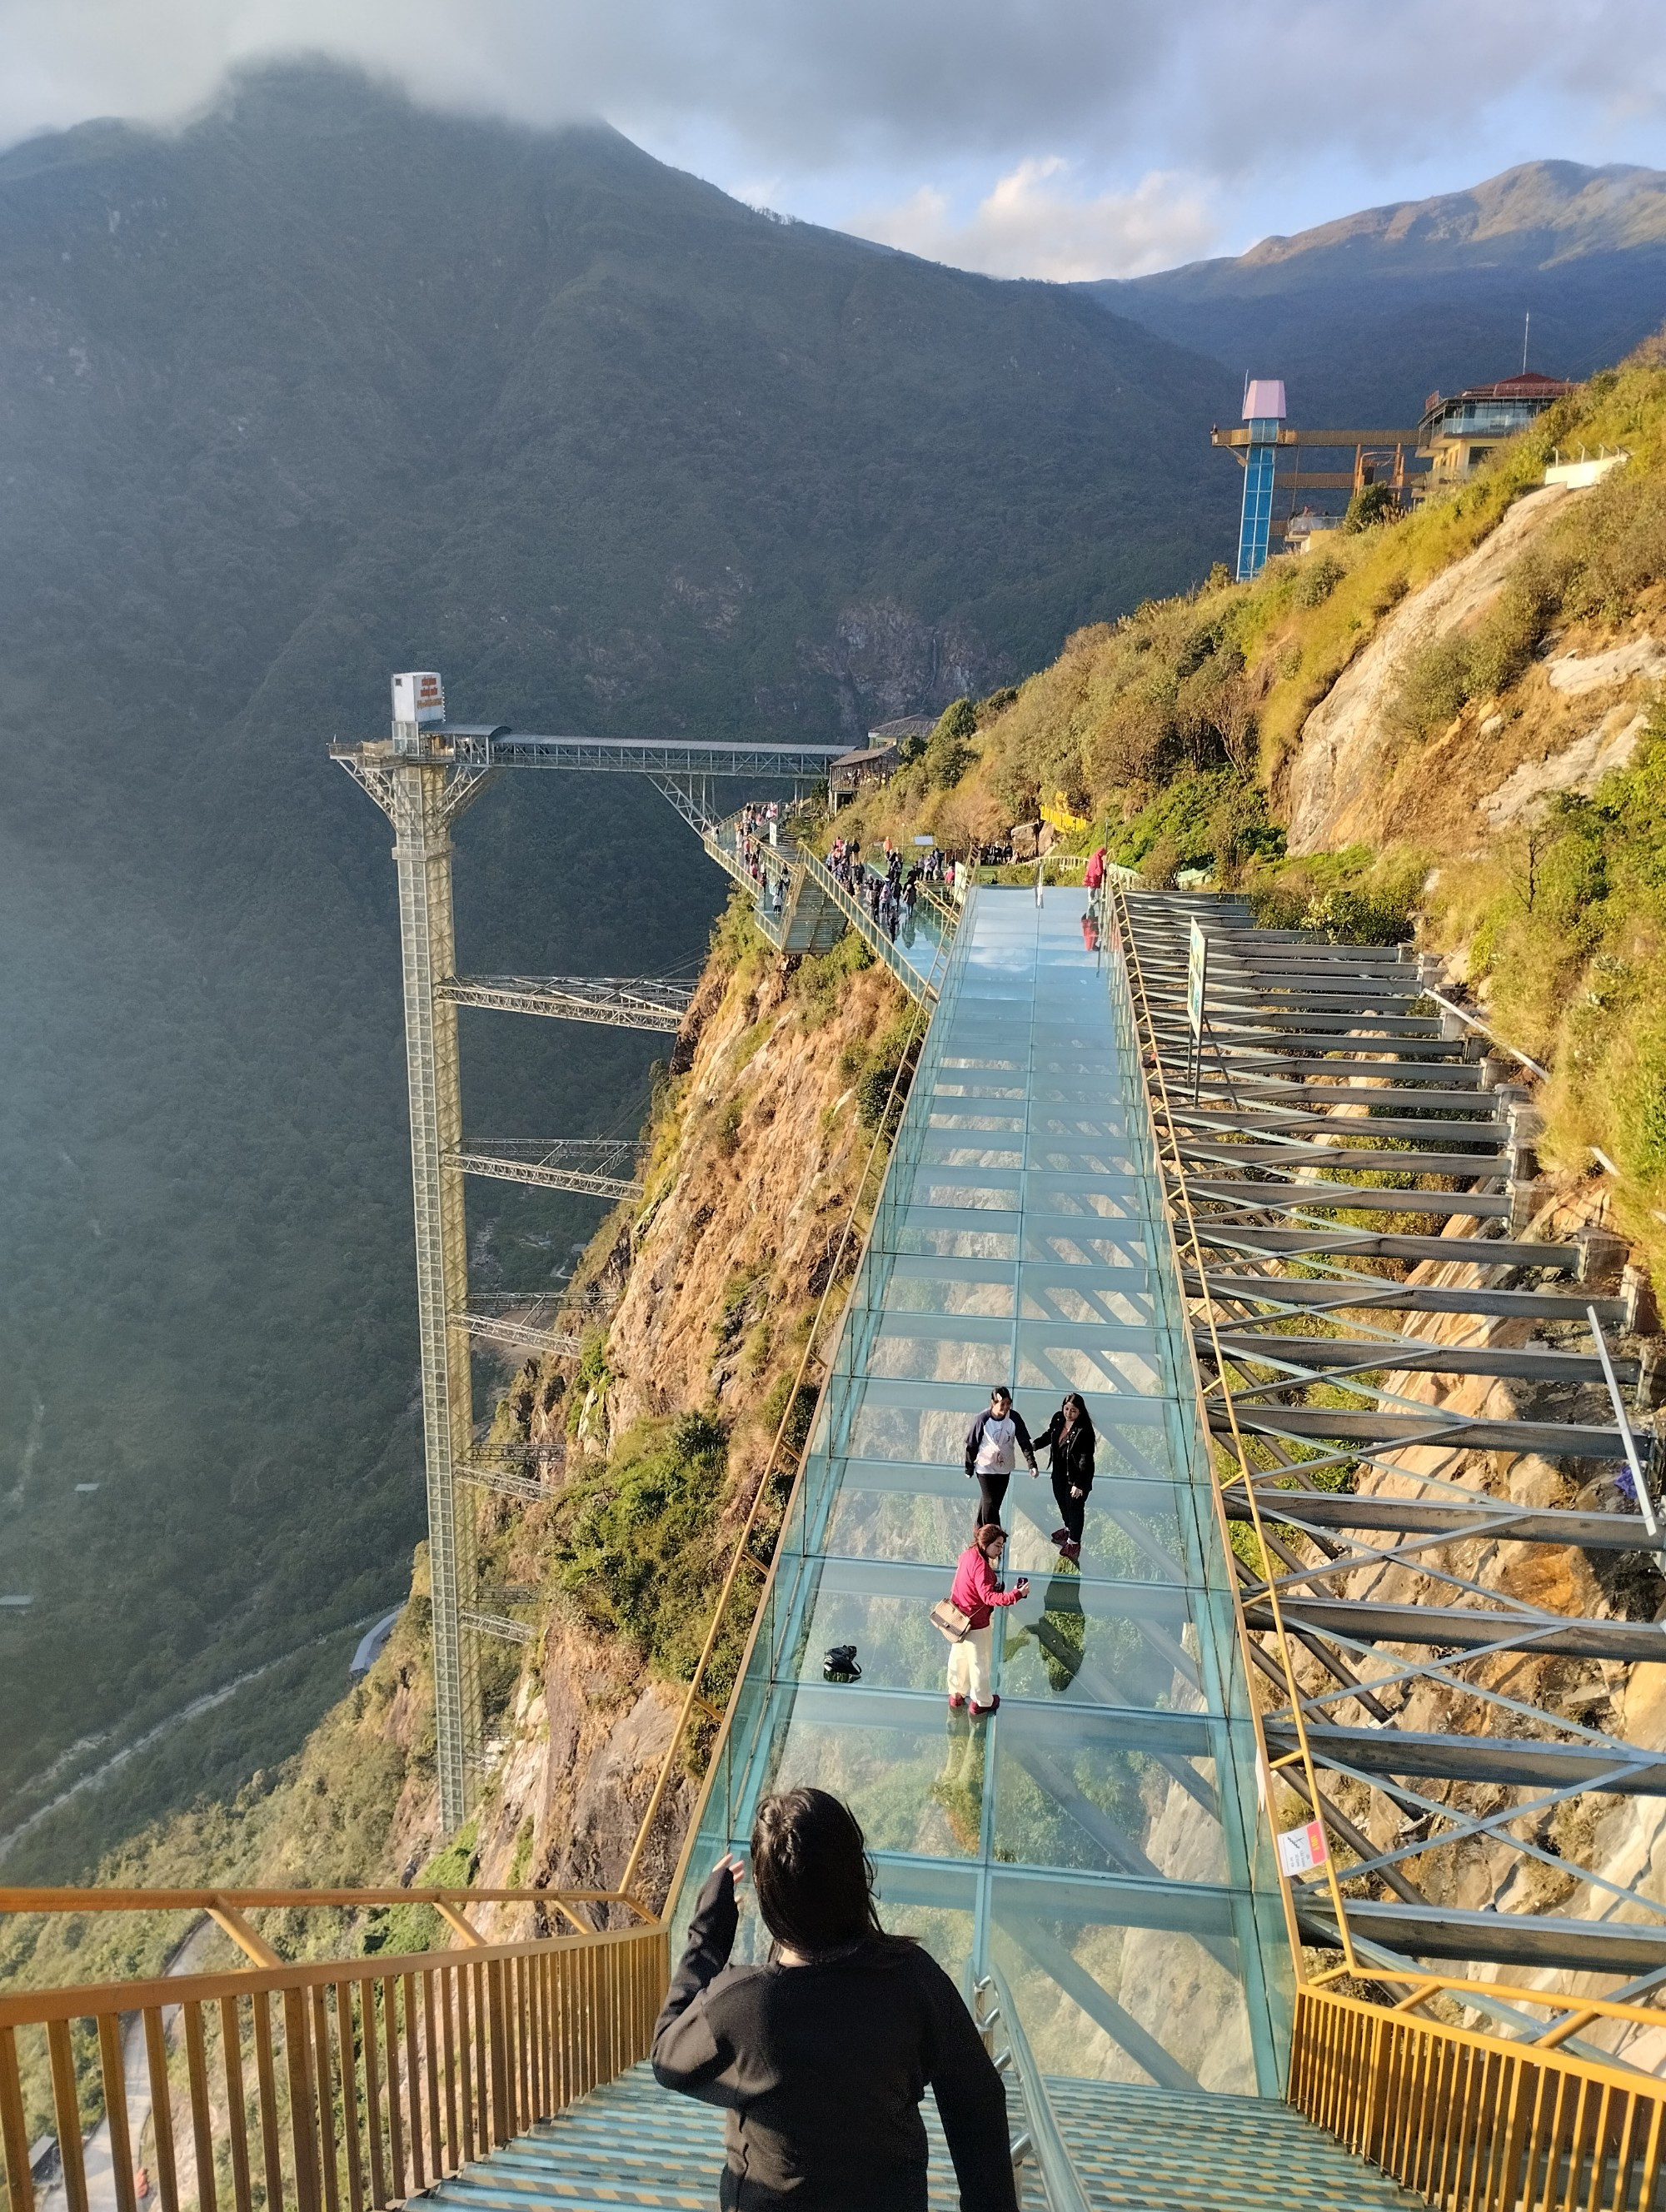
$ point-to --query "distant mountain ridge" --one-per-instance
(1364, 315)
(1518, 213)
(315, 388)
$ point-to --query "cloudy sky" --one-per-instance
(1061, 138)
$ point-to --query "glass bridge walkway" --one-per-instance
(1096, 1839)
(1090, 1851)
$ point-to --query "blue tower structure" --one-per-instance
(1263, 418)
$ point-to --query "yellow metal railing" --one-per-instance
(1476, 2123)
(338, 2086)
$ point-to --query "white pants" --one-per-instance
(969, 1667)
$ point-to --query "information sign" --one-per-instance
(1301, 1849)
(1197, 979)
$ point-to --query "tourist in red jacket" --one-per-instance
(976, 1593)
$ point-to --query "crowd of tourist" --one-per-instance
(888, 890)
(758, 837)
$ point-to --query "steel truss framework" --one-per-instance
(423, 780)
(616, 1001)
(1441, 1724)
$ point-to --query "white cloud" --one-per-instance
(843, 103)
(1032, 225)
(824, 83)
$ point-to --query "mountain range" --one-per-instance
(319, 386)
(315, 388)
(1365, 316)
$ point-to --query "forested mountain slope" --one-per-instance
(1452, 725)
(1364, 316)
(316, 388)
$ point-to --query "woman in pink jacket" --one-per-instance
(976, 1591)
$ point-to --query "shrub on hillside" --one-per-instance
(1352, 916)
(637, 1549)
(1317, 579)
(1371, 504)
(948, 752)
(1433, 686)
(880, 1095)
(1617, 535)
(801, 1412)
(1437, 679)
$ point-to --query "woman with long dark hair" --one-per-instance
(1068, 1438)
(821, 2055)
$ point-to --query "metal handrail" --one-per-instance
(915, 981)
(743, 1553)
(1044, 2138)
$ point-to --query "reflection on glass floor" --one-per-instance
(1097, 1838)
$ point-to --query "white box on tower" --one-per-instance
(419, 698)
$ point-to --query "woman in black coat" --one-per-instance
(1068, 1437)
(821, 2056)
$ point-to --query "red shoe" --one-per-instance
(980, 1711)
(1070, 1550)
(955, 1704)
(1060, 1536)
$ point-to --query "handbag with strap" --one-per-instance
(950, 1621)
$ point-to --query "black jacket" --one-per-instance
(1072, 1454)
(821, 2068)
(1020, 1439)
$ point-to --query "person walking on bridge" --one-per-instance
(991, 1442)
(820, 2056)
(976, 1593)
(1068, 1439)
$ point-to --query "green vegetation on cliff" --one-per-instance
(1174, 734)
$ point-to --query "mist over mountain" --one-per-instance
(1364, 316)
(319, 387)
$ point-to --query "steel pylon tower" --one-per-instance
(423, 777)
(422, 796)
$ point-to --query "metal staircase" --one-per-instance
(1167, 2150)
(630, 2143)
(1184, 2152)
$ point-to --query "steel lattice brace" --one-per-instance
(576, 1164)
(620, 1002)
(1314, 1064)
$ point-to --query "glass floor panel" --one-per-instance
(1096, 1836)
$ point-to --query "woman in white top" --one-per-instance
(991, 1443)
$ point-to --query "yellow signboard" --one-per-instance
(1059, 814)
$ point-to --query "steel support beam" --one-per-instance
(1287, 1305)
(423, 778)
(1504, 1939)
(1466, 1627)
(573, 1164)
(525, 1335)
(1495, 1518)
(617, 1002)
(1374, 1427)
(1314, 1354)
(1345, 1294)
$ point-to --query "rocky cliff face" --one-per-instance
(1573, 713)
